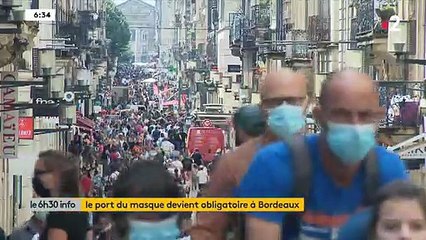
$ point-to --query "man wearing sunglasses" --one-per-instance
(280, 87)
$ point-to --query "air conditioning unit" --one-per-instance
(67, 114)
(83, 77)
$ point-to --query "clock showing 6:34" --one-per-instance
(40, 15)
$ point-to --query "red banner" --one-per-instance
(26, 128)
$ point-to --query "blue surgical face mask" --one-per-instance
(41, 216)
(286, 120)
(163, 230)
(350, 142)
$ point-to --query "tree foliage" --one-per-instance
(117, 29)
(126, 57)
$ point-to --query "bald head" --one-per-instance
(347, 82)
(284, 84)
(349, 97)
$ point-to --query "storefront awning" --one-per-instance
(85, 122)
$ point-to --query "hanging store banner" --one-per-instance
(26, 128)
(43, 105)
(9, 117)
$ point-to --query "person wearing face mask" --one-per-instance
(278, 87)
(57, 175)
(340, 164)
(136, 182)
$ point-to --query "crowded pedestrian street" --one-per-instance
(213, 120)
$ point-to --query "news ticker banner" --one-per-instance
(168, 204)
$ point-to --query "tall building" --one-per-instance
(141, 18)
(166, 27)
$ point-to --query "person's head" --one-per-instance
(56, 175)
(149, 180)
(284, 101)
(347, 112)
(399, 212)
(248, 122)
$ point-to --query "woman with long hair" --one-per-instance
(57, 175)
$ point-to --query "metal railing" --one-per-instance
(237, 24)
(260, 16)
(365, 17)
(298, 50)
(319, 28)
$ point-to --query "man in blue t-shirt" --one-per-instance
(347, 111)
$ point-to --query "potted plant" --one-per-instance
(385, 12)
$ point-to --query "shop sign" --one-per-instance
(43, 106)
(26, 128)
(9, 118)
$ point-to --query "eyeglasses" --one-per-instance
(274, 102)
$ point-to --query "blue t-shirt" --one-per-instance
(329, 205)
(358, 226)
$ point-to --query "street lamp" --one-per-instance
(398, 44)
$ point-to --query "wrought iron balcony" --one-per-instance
(249, 39)
(365, 17)
(260, 16)
(354, 31)
(236, 23)
(88, 19)
(319, 29)
(299, 49)
(274, 42)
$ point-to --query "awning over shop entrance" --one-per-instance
(85, 122)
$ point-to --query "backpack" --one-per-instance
(302, 168)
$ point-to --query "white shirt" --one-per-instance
(177, 164)
(203, 176)
(167, 146)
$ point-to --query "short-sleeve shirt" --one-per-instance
(329, 205)
(75, 224)
(358, 226)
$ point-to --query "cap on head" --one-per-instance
(250, 119)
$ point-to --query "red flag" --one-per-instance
(184, 98)
(155, 88)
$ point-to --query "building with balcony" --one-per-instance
(166, 21)
(48, 71)
(142, 19)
